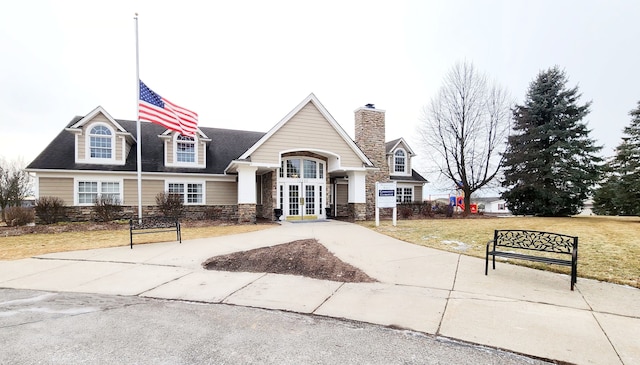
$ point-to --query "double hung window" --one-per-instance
(185, 149)
(191, 193)
(101, 142)
(400, 161)
(404, 195)
(89, 191)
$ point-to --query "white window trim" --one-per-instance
(99, 180)
(402, 195)
(87, 146)
(185, 182)
(301, 177)
(407, 168)
(197, 152)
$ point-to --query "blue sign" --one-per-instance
(386, 193)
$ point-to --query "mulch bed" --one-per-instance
(303, 257)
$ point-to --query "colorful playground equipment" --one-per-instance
(458, 201)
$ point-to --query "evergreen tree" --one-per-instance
(550, 162)
(619, 193)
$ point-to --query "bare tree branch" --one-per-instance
(465, 127)
(14, 185)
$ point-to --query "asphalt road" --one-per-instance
(68, 328)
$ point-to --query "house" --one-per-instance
(306, 165)
(492, 205)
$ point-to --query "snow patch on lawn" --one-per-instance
(461, 246)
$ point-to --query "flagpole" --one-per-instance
(139, 147)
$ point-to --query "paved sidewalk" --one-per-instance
(440, 293)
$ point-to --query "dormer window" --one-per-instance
(400, 161)
(101, 142)
(185, 149)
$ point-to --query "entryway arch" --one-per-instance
(302, 186)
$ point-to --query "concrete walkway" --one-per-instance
(440, 293)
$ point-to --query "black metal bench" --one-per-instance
(154, 225)
(524, 240)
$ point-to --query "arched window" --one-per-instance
(100, 142)
(186, 149)
(400, 161)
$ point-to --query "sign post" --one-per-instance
(386, 198)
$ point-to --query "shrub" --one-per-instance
(19, 216)
(50, 209)
(107, 208)
(170, 205)
(424, 209)
(439, 209)
(405, 212)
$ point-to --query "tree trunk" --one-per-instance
(467, 203)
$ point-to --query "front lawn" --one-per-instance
(608, 249)
(84, 236)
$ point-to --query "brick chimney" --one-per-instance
(370, 137)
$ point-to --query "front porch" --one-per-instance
(306, 185)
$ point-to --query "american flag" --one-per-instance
(156, 109)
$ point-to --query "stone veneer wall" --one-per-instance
(370, 137)
(357, 211)
(246, 213)
(191, 212)
(342, 210)
(269, 196)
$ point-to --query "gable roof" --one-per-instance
(325, 113)
(89, 117)
(392, 145)
(225, 145)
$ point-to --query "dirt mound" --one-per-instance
(303, 257)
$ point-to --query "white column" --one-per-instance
(357, 187)
(247, 184)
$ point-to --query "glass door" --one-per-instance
(310, 200)
(293, 208)
(301, 183)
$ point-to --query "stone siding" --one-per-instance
(342, 210)
(246, 213)
(269, 196)
(370, 137)
(357, 211)
(191, 212)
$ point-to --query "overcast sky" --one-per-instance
(246, 64)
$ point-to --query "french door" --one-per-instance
(301, 187)
(302, 200)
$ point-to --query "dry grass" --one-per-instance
(28, 245)
(609, 247)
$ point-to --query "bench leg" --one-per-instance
(486, 264)
(131, 238)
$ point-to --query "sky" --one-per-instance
(246, 64)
